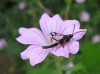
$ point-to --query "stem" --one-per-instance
(68, 2)
(45, 9)
(67, 11)
(58, 65)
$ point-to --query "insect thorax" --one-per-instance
(68, 37)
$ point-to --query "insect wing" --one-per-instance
(57, 38)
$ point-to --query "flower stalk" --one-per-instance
(45, 9)
(68, 4)
(58, 65)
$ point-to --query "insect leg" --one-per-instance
(68, 47)
(72, 38)
(55, 39)
(62, 44)
(57, 48)
(78, 32)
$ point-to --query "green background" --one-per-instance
(86, 61)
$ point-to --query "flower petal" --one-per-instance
(55, 22)
(60, 51)
(35, 54)
(22, 30)
(49, 24)
(68, 27)
(31, 36)
(79, 34)
(45, 27)
(73, 46)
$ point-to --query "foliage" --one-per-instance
(87, 61)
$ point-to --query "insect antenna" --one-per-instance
(75, 32)
(68, 47)
(78, 32)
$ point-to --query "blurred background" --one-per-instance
(26, 13)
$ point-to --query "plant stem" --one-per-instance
(45, 9)
(58, 64)
(68, 3)
(67, 11)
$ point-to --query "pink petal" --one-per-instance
(79, 34)
(73, 46)
(55, 22)
(68, 26)
(31, 36)
(23, 30)
(60, 52)
(35, 54)
(49, 24)
(44, 24)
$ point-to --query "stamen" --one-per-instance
(51, 39)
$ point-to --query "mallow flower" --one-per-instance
(69, 65)
(36, 38)
(84, 16)
(21, 5)
(80, 1)
(3, 43)
(96, 38)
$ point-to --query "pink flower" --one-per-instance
(80, 1)
(21, 5)
(68, 72)
(69, 65)
(3, 43)
(36, 38)
(96, 38)
(85, 16)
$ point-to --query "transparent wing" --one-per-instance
(56, 36)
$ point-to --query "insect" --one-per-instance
(63, 40)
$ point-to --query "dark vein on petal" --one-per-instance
(43, 33)
(39, 54)
(66, 28)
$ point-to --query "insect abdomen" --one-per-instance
(46, 47)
